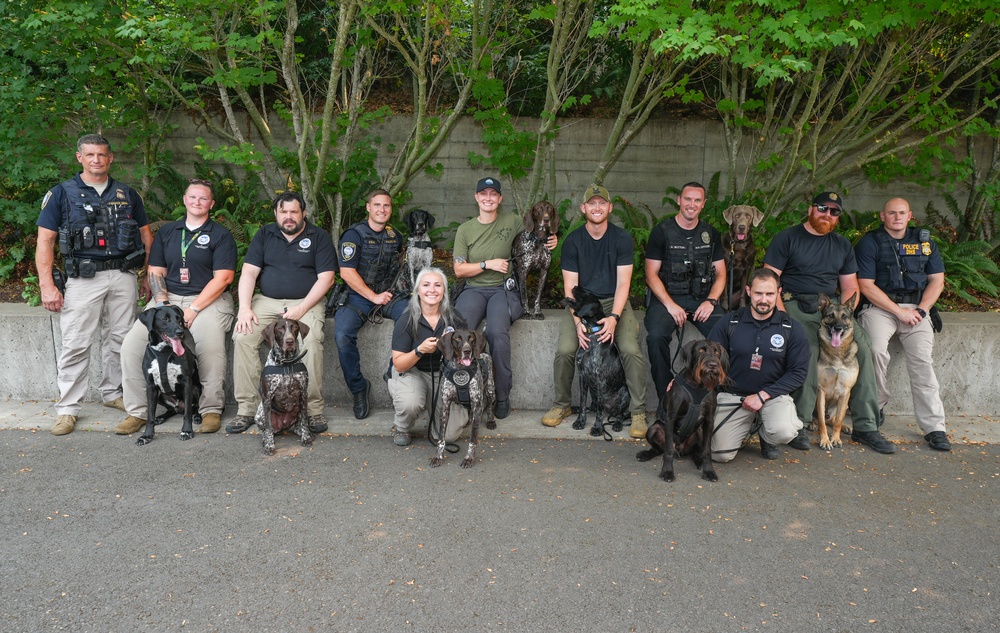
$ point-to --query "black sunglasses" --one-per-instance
(834, 211)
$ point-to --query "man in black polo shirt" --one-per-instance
(295, 263)
(369, 264)
(768, 359)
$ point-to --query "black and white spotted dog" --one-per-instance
(599, 369)
(530, 253)
(284, 384)
(467, 379)
(419, 248)
(171, 371)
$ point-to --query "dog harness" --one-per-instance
(286, 367)
(697, 395)
(462, 377)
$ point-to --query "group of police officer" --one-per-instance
(104, 236)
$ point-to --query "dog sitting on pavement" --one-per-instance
(530, 252)
(171, 371)
(284, 384)
(739, 250)
(419, 248)
(686, 416)
(599, 369)
(836, 368)
(467, 379)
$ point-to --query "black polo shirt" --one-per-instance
(404, 340)
(210, 248)
(288, 270)
(784, 353)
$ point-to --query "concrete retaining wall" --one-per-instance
(965, 354)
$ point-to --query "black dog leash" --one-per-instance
(450, 447)
(754, 426)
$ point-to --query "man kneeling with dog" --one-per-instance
(768, 359)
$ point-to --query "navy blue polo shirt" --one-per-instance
(209, 248)
(288, 270)
(784, 353)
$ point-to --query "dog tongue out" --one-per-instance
(836, 338)
(466, 361)
(741, 236)
(176, 344)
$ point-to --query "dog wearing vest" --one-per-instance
(687, 412)
(836, 368)
(419, 248)
(739, 251)
(284, 384)
(171, 371)
(467, 380)
(531, 253)
(599, 369)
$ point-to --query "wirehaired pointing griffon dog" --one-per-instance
(171, 371)
(530, 253)
(467, 380)
(284, 384)
(688, 410)
(836, 368)
(599, 368)
(419, 248)
(739, 250)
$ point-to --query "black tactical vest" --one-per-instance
(98, 227)
(379, 256)
(688, 269)
(902, 264)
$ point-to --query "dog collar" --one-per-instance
(421, 244)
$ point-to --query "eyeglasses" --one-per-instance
(201, 182)
(834, 211)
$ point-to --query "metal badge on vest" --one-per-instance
(688, 269)
(98, 232)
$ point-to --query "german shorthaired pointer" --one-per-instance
(419, 248)
(284, 384)
(529, 253)
(467, 380)
(599, 368)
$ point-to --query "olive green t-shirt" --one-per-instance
(476, 242)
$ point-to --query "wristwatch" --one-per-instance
(482, 265)
(418, 353)
(616, 316)
(714, 302)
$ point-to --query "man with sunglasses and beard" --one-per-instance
(811, 258)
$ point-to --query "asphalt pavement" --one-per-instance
(551, 532)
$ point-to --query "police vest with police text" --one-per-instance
(98, 226)
(902, 264)
(688, 269)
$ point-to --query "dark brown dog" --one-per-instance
(467, 380)
(284, 384)
(740, 251)
(688, 411)
(529, 253)
(836, 368)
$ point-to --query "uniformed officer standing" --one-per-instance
(768, 359)
(295, 263)
(901, 275)
(369, 265)
(686, 275)
(103, 235)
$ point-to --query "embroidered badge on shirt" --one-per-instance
(347, 250)
(204, 238)
(305, 242)
(777, 340)
(45, 200)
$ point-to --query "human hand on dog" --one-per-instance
(607, 333)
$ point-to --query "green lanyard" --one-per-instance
(187, 244)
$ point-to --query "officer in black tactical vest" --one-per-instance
(901, 275)
(370, 259)
(686, 275)
(103, 235)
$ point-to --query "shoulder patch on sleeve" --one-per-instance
(45, 200)
(348, 250)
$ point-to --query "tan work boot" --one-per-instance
(130, 425)
(117, 403)
(64, 424)
(210, 422)
(638, 427)
(555, 416)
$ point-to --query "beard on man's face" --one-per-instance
(822, 223)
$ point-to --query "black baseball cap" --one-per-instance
(488, 183)
(829, 197)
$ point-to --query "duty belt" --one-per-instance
(105, 264)
(905, 297)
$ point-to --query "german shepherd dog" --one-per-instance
(688, 411)
(739, 250)
(171, 371)
(836, 368)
